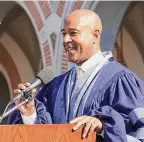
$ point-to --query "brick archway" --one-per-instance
(7, 62)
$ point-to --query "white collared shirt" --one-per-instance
(92, 61)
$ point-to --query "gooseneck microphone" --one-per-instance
(42, 78)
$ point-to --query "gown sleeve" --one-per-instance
(127, 98)
(43, 116)
(122, 108)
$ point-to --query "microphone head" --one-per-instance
(46, 75)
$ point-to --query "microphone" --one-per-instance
(43, 77)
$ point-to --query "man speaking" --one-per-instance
(98, 92)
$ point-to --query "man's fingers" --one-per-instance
(29, 108)
(91, 124)
(27, 84)
(17, 91)
(81, 122)
(76, 119)
(94, 126)
(21, 86)
(88, 126)
(86, 129)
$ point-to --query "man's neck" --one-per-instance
(92, 61)
(80, 63)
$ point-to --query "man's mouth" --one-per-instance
(70, 49)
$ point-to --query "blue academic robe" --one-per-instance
(116, 96)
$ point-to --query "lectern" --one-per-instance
(42, 133)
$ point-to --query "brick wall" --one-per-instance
(45, 8)
(31, 6)
(7, 62)
(47, 54)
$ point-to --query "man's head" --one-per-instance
(81, 35)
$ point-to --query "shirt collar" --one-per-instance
(91, 61)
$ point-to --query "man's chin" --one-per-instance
(75, 61)
(72, 60)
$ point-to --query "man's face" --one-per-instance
(77, 41)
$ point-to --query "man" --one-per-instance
(98, 92)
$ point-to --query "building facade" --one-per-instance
(30, 37)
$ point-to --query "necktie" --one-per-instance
(79, 72)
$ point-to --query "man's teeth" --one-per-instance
(70, 49)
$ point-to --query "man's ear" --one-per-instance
(96, 33)
(95, 36)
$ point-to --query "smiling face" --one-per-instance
(78, 38)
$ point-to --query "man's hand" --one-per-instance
(27, 109)
(91, 124)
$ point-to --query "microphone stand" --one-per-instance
(26, 100)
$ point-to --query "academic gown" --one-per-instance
(115, 95)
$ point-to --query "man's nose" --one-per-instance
(67, 38)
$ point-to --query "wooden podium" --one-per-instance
(42, 133)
